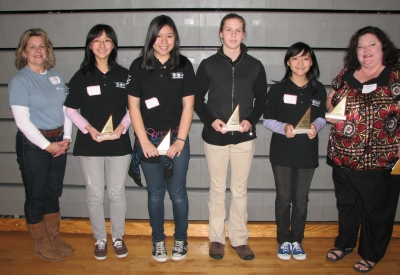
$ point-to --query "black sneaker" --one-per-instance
(120, 249)
(159, 252)
(180, 250)
(100, 250)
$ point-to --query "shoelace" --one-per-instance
(297, 247)
(101, 244)
(160, 248)
(179, 246)
(118, 244)
(285, 247)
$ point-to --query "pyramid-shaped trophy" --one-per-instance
(107, 130)
(396, 168)
(233, 123)
(164, 144)
(303, 126)
(338, 112)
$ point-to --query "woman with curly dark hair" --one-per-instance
(364, 147)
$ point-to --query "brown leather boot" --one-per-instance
(43, 246)
(53, 228)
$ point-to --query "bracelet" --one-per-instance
(181, 139)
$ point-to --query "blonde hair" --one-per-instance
(21, 62)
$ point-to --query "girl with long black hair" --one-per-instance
(161, 98)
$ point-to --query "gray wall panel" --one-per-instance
(5, 112)
(12, 199)
(7, 136)
(23, 5)
(9, 171)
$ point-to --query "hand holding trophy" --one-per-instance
(107, 131)
(164, 145)
(303, 126)
(233, 123)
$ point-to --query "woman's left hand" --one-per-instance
(175, 149)
(246, 126)
(64, 146)
(313, 133)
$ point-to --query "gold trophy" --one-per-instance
(338, 112)
(303, 126)
(164, 145)
(396, 168)
(233, 123)
(107, 130)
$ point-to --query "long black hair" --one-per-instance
(152, 33)
(89, 62)
(297, 48)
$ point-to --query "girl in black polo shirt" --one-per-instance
(98, 90)
(161, 95)
(294, 157)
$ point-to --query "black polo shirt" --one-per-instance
(97, 108)
(161, 91)
(299, 151)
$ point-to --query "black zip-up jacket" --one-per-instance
(229, 83)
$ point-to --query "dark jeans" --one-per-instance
(366, 198)
(42, 175)
(292, 186)
(176, 185)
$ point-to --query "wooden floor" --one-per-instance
(16, 257)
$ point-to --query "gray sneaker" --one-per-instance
(120, 249)
(180, 250)
(100, 250)
(159, 252)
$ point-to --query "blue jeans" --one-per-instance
(292, 186)
(43, 177)
(156, 187)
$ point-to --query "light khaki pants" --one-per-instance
(240, 157)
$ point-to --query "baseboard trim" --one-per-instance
(196, 228)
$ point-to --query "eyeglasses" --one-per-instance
(97, 42)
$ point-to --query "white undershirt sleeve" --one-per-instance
(67, 126)
(25, 125)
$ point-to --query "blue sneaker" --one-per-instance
(284, 251)
(298, 251)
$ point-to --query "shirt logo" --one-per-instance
(315, 102)
(177, 75)
(120, 85)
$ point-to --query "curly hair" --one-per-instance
(390, 53)
(21, 61)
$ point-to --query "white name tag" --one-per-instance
(93, 90)
(368, 88)
(55, 80)
(290, 99)
(152, 102)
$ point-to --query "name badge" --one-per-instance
(290, 99)
(55, 80)
(152, 102)
(93, 90)
(369, 88)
